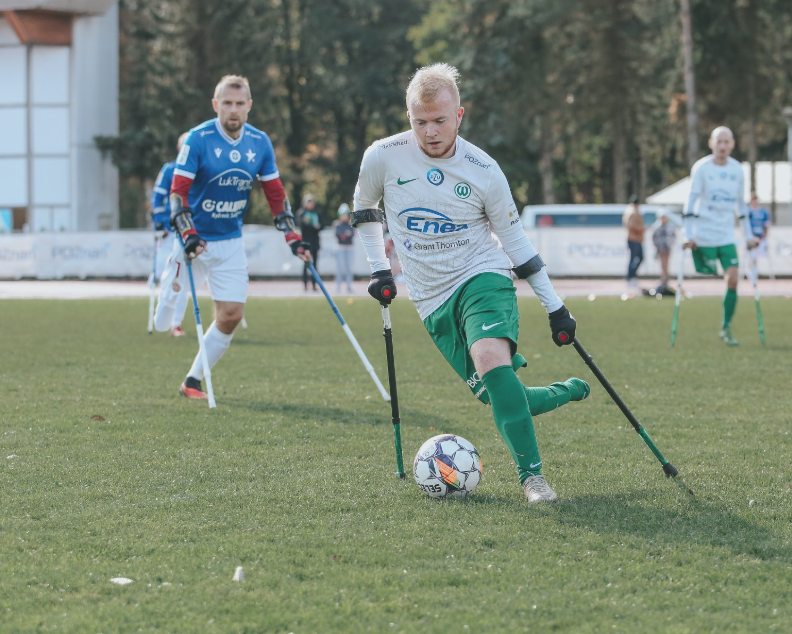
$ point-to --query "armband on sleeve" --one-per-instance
(182, 221)
(284, 221)
(532, 266)
(364, 216)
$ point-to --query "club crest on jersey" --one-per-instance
(423, 220)
(235, 156)
(435, 176)
(176, 287)
(463, 190)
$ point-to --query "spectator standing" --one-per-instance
(633, 221)
(663, 238)
(345, 250)
(310, 225)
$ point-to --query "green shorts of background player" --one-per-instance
(485, 307)
(706, 261)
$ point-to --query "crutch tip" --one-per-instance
(670, 470)
(401, 475)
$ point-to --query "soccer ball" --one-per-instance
(447, 466)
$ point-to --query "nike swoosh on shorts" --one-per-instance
(486, 327)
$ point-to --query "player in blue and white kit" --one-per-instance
(214, 174)
(760, 226)
(160, 215)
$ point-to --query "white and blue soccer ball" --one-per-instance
(447, 466)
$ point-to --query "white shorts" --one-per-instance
(759, 251)
(164, 249)
(224, 266)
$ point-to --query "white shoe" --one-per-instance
(536, 489)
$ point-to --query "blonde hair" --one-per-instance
(182, 139)
(234, 81)
(429, 81)
(718, 130)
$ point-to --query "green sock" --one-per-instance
(513, 419)
(546, 399)
(729, 304)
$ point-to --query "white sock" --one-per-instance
(163, 317)
(216, 344)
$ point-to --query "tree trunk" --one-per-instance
(619, 161)
(752, 149)
(642, 172)
(546, 162)
(690, 82)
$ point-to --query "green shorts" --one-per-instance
(706, 258)
(484, 306)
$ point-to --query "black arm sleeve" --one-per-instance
(363, 216)
(534, 265)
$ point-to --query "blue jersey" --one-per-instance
(160, 196)
(223, 170)
(759, 220)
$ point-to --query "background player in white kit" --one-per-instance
(443, 197)
(214, 174)
(160, 212)
(717, 191)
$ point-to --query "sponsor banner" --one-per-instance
(18, 256)
(600, 251)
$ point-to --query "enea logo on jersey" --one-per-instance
(422, 220)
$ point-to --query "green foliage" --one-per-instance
(578, 100)
(291, 477)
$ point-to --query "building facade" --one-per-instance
(59, 73)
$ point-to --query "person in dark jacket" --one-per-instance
(311, 225)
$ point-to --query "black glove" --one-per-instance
(191, 242)
(299, 247)
(382, 286)
(562, 325)
(158, 226)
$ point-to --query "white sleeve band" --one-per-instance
(517, 245)
(543, 288)
(689, 227)
(374, 244)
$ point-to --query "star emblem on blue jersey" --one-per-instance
(250, 156)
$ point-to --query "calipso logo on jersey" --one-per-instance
(224, 208)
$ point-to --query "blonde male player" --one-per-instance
(443, 198)
(215, 172)
(718, 191)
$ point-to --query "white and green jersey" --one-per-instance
(716, 193)
(441, 215)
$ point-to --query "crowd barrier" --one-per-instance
(568, 252)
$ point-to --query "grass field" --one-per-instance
(291, 477)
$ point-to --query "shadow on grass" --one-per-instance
(697, 522)
(307, 412)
